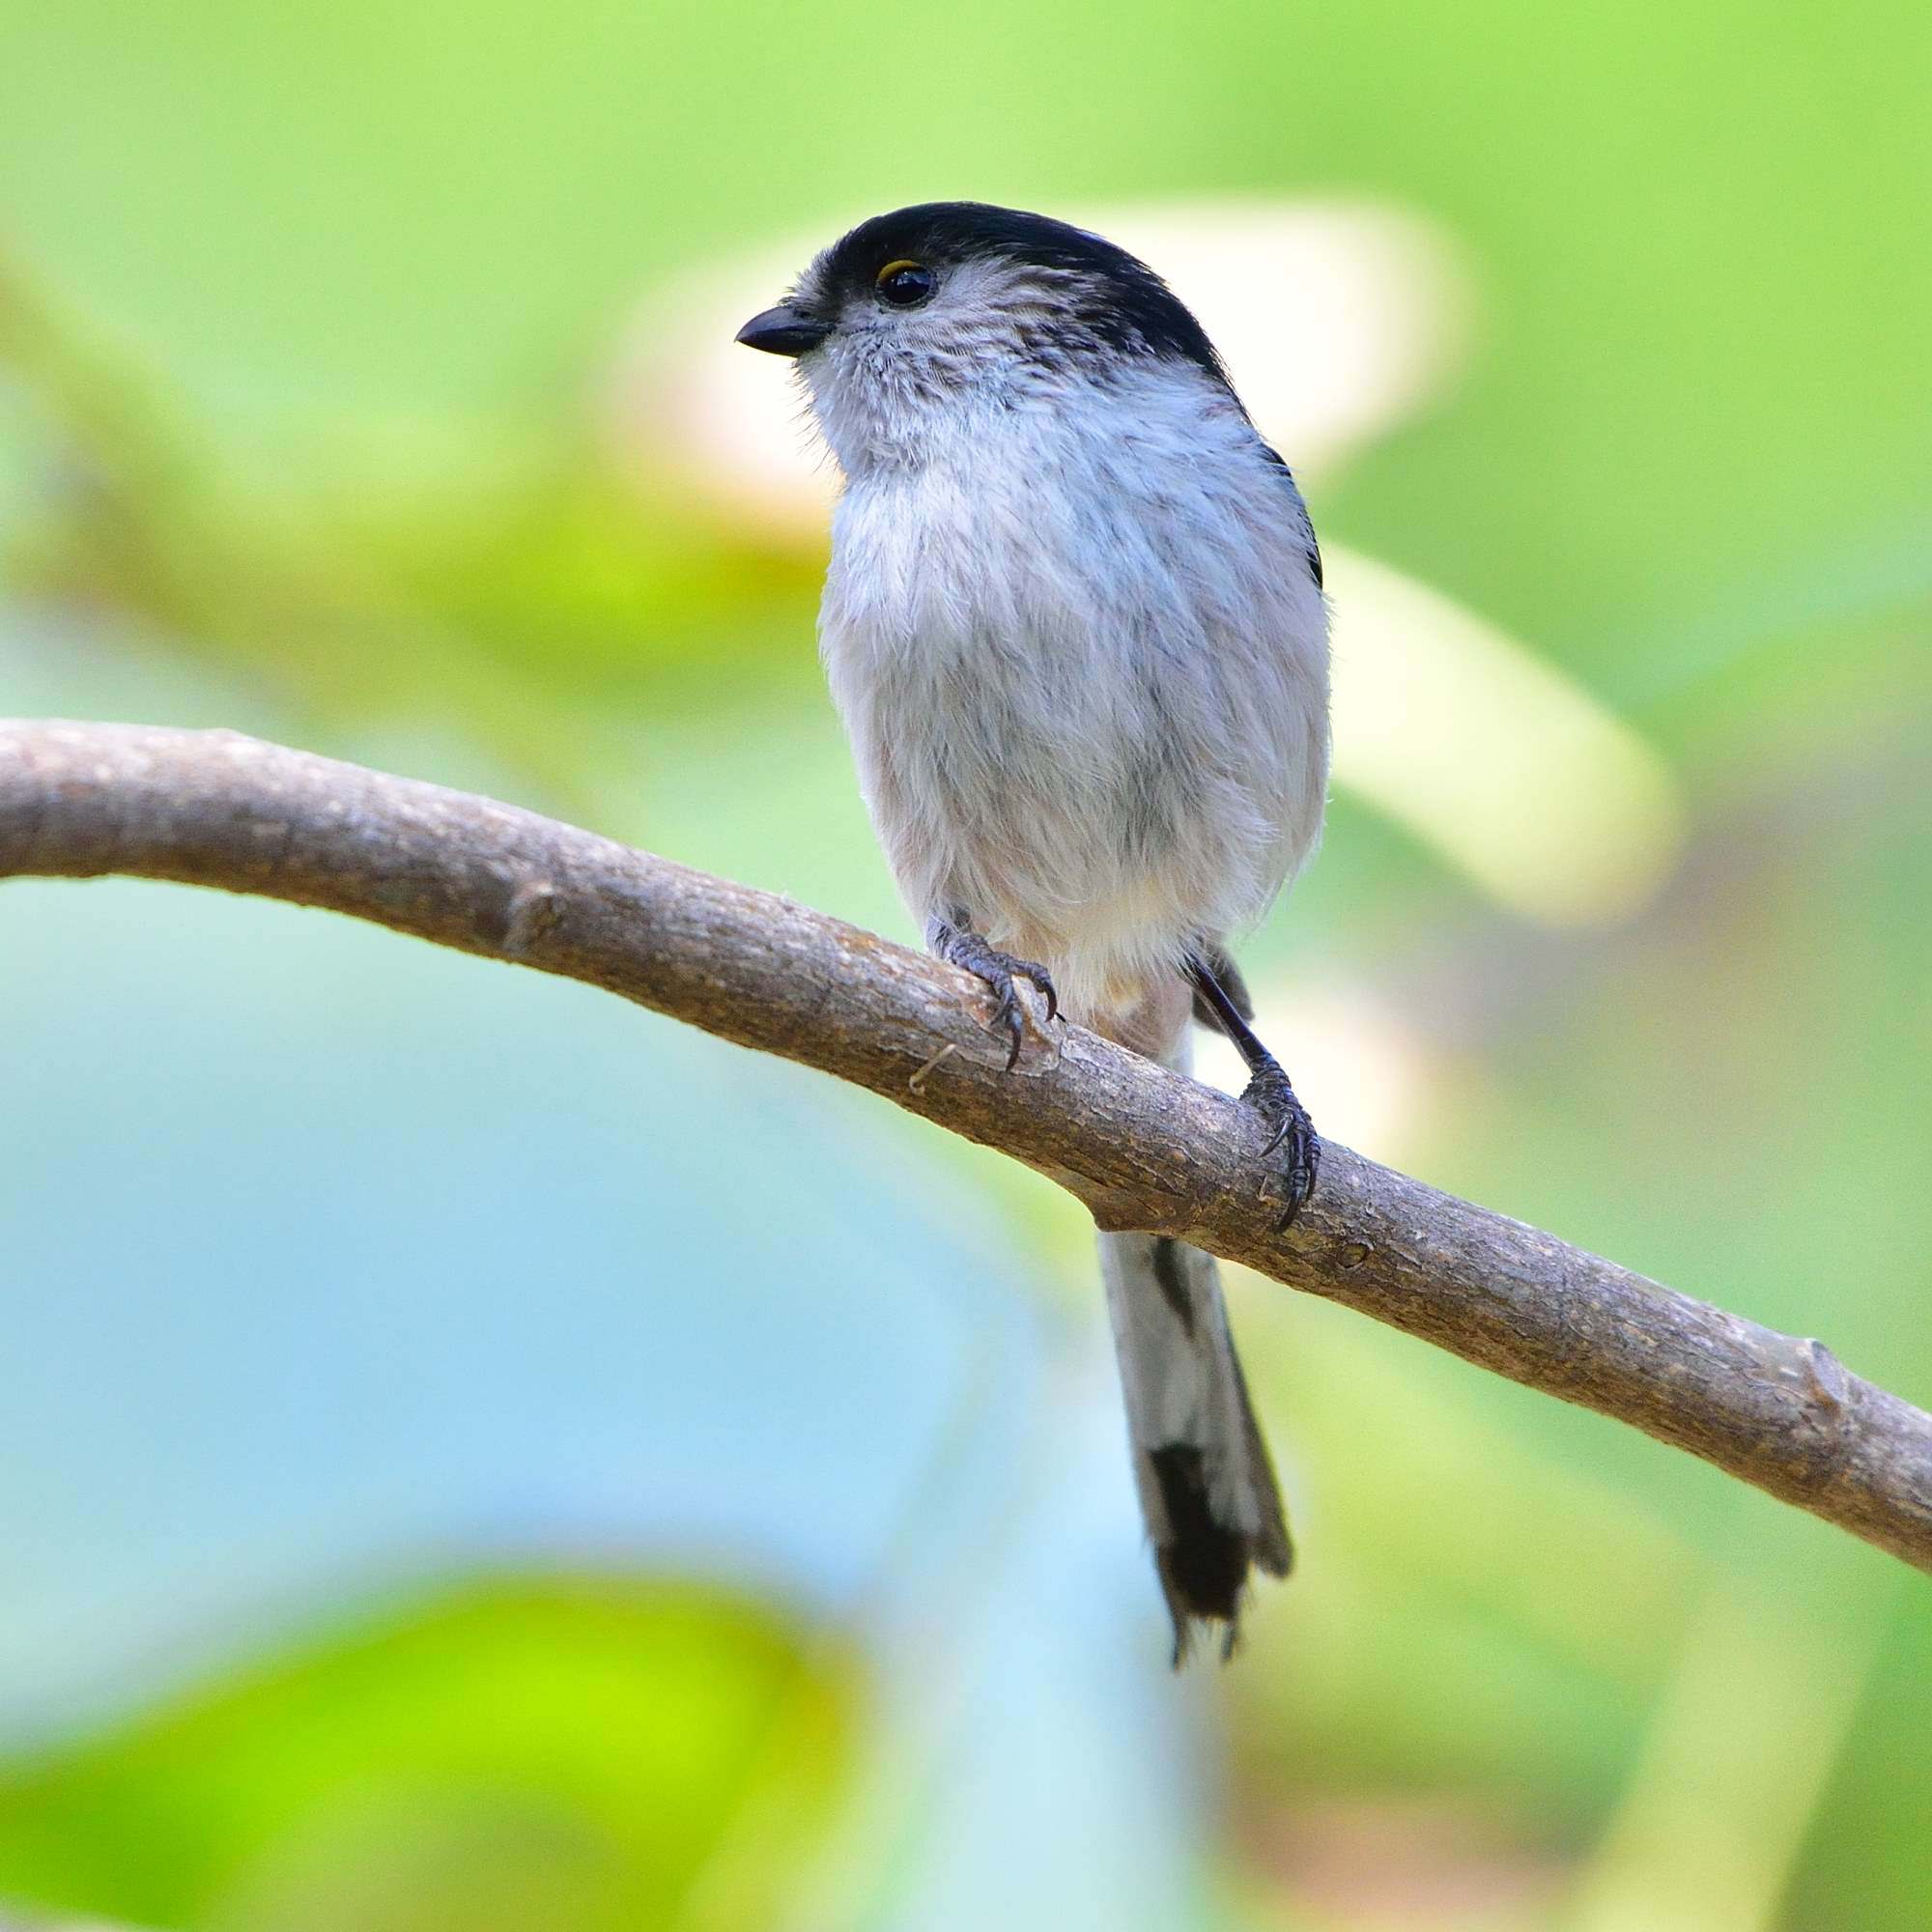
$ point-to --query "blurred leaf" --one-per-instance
(566, 1755)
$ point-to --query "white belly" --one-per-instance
(1092, 723)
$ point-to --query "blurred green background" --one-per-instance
(477, 1455)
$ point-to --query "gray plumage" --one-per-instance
(1074, 627)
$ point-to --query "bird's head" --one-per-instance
(949, 310)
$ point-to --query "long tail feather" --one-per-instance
(1206, 1488)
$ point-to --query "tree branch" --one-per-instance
(1143, 1147)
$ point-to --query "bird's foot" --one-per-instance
(1002, 972)
(1270, 1095)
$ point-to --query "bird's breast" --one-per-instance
(1088, 698)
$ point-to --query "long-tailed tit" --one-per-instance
(1075, 628)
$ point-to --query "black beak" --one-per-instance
(785, 330)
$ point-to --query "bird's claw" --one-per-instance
(1271, 1097)
(1002, 972)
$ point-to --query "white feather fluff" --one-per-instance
(1072, 631)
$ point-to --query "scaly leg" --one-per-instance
(1268, 1091)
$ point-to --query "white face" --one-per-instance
(985, 336)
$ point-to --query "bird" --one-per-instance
(1074, 626)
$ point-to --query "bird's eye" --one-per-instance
(904, 284)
